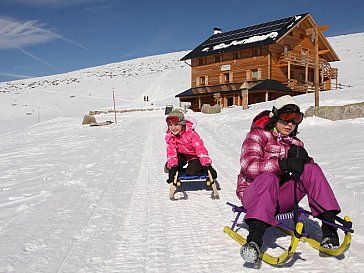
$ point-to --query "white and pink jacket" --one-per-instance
(189, 143)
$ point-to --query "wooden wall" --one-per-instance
(265, 59)
(238, 67)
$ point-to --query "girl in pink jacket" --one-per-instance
(185, 146)
(270, 155)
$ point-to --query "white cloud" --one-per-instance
(17, 34)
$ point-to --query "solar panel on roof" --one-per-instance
(279, 26)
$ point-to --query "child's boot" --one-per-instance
(251, 250)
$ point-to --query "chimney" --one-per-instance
(217, 30)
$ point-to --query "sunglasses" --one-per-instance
(290, 117)
(172, 120)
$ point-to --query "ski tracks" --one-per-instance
(107, 207)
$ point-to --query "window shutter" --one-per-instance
(259, 73)
(248, 75)
(231, 77)
(197, 81)
(221, 78)
(206, 80)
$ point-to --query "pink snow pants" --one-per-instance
(264, 195)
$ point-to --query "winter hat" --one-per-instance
(180, 115)
(284, 104)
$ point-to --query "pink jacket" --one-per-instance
(189, 143)
(260, 152)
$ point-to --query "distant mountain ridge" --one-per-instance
(134, 67)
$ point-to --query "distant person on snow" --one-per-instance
(185, 146)
(270, 155)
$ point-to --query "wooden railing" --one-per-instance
(300, 86)
(297, 59)
(334, 73)
(303, 60)
(327, 70)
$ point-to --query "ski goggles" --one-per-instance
(172, 120)
(290, 117)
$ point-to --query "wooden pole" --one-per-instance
(317, 75)
(306, 77)
(113, 97)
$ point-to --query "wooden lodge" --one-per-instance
(260, 63)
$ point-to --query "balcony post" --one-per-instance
(317, 75)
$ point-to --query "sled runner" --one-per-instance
(183, 178)
(296, 232)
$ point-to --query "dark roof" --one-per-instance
(205, 90)
(248, 37)
(230, 88)
(187, 93)
(270, 85)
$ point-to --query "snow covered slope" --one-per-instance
(76, 198)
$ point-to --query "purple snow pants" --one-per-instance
(264, 195)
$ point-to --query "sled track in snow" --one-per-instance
(95, 207)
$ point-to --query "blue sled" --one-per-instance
(183, 178)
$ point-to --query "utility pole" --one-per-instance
(113, 98)
(317, 68)
(314, 32)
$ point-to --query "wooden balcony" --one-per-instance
(302, 87)
(299, 86)
(296, 59)
(308, 60)
(328, 71)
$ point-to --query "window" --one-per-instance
(255, 74)
(256, 51)
(218, 58)
(201, 61)
(286, 48)
(237, 55)
(201, 81)
(226, 77)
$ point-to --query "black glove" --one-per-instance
(212, 171)
(171, 174)
(293, 165)
(298, 152)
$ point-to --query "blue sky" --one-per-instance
(45, 37)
